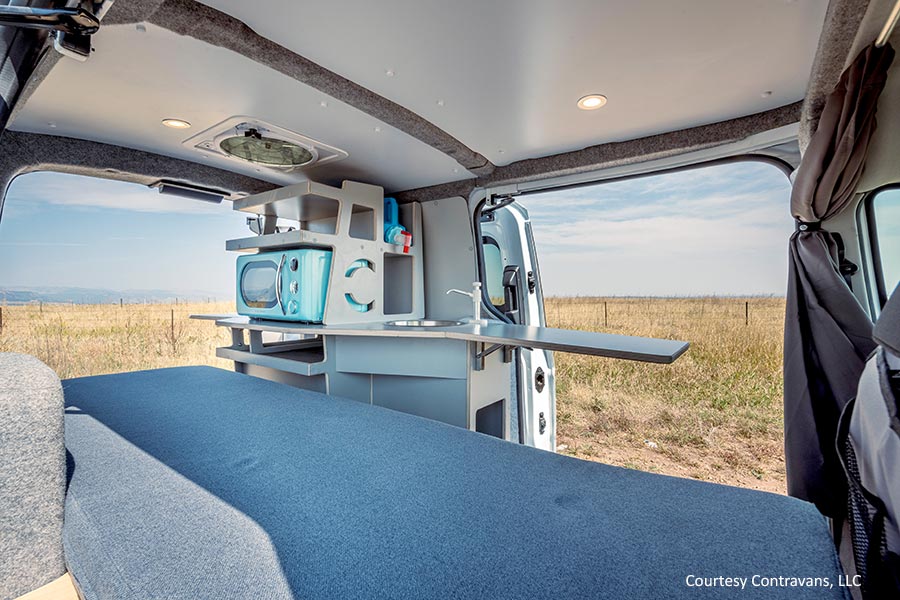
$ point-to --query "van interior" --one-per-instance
(389, 427)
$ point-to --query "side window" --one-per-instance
(99, 276)
(884, 230)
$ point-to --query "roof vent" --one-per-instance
(254, 141)
(253, 147)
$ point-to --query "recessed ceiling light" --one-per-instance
(176, 123)
(591, 101)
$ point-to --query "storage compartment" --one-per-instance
(398, 284)
(489, 420)
(375, 273)
(313, 213)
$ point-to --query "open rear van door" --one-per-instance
(512, 285)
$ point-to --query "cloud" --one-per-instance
(715, 230)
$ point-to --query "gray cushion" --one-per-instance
(32, 475)
(202, 483)
(887, 329)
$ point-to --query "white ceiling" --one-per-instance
(502, 76)
(136, 78)
(510, 71)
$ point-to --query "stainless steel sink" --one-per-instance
(424, 323)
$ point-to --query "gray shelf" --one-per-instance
(307, 362)
(304, 206)
(276, 241)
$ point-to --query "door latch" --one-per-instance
(542, 424)
(539, 380)
(531, 281)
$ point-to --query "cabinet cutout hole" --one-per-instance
(398, 284)
(362, 223)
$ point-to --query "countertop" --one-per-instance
(545, 338)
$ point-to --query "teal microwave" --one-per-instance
(290, 285)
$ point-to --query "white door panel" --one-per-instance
(513, 285)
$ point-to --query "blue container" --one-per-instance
(287, 286)
(392, 226)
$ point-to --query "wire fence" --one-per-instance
(577, 312)
(581, 312)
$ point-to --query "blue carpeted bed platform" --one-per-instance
(202, 483)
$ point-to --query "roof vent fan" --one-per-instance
(264, 145)
(272, 152)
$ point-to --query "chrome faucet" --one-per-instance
(475, 295)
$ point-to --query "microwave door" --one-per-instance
(261, 283)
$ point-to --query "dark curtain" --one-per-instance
(20, 50)
(827, 334)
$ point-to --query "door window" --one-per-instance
(885, 230)
(493, 270)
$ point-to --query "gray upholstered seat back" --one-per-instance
(869, 444)
(876, 441)
(32, 475)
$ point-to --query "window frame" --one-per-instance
(874, 249)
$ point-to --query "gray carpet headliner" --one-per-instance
(842, 21)
(27, 152)
(615, 154)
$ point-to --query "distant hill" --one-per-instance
(76, 295)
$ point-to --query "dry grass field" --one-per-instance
(715, 414)
(92, 339)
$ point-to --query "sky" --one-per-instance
(886, 206)
(719, 230)
(71, 231)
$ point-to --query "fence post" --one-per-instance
(41, 306)
(605, 314)
(121, 303)
(1, 319)
(747, 312)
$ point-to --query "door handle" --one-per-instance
(512, 297)
(278, 275)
